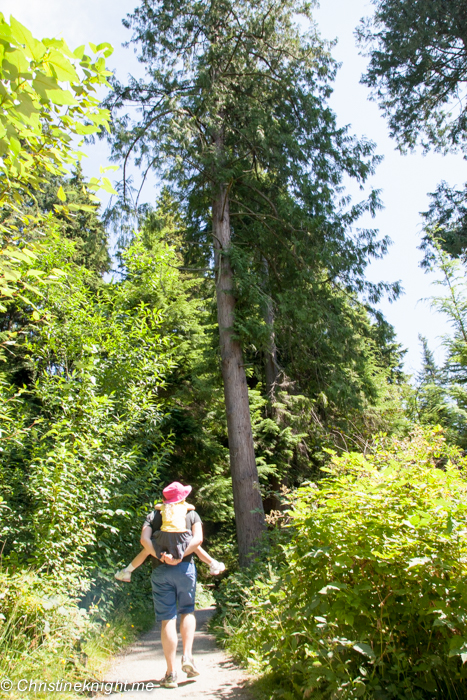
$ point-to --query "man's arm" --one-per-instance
(197, 531)
(146, 534)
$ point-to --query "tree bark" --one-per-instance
(271, 366)
(271, 369)
(270, 356)
(249, 512)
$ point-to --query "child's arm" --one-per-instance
(189, 506)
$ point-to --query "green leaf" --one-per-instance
(79, 52)
(26, 106)
(364, 649)
(49, 89)
(17, 60)
(62, 67)
(5, 31)
(35, 48)
(108, 48)
(81, 207)
(106, 169)
(29, 253)
(43, 83)
(16, 255)
(360, 688)
(61, 194)
(15, 146)
(107, 185)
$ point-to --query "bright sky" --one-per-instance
(404, 180)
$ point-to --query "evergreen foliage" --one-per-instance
(431, 400)
(445, 223)
(81, 223)
(418, 59)
(341, 398)
(285, 157)
(440, 396)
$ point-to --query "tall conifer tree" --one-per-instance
(233, 113)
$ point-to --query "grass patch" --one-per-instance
(48, 637)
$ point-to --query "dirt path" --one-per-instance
(144, 663)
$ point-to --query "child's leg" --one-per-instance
(215, 567)
(125, 574)
(204, 556)
(138, 560)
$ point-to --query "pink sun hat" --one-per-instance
(175, 492)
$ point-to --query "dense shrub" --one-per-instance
(87, 451)
(367, 598)
(82, 456)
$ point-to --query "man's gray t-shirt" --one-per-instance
(154, 520)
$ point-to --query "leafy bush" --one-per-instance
(367, 598)
(76, 481)
(83, 454)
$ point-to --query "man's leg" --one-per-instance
(165, 606)
(169, 642)
(187, 630)
(186, 606)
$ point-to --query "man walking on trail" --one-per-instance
(174, 585)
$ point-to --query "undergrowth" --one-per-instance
(362, 593)
(47, 636)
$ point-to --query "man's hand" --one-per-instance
(168, 559)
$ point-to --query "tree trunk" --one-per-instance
(270, 360)
(271, 366)
(271, 502)
(249, 512)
